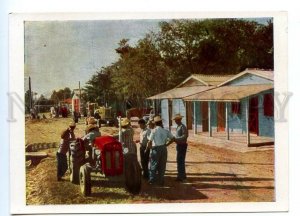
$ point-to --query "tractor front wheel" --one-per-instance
(85, 180)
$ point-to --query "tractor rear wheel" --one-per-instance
(133, 174)
(85, 180)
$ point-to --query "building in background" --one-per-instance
(242, 105)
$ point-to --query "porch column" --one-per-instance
(154, 108)
(170, 116)
(247, 120)
(227, 120)
(209, 119)
(195, 118)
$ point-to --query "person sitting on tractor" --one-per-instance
(92, 131)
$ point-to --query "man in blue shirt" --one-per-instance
(181, 147)
(159, 139)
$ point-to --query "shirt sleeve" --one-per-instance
(86, 137)
(170, 135)
(151, 136)
(148, 134)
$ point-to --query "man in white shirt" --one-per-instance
(144, 153)
(158, 141)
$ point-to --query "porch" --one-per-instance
(237, 142)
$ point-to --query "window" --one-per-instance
(268, 105)
(236, 107)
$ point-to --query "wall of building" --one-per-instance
(197, 115)
(165, 112)
(237, 122)
(266, 123)
(178, 106)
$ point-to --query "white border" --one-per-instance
(17, 130)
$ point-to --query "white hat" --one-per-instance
(177, 116)
(157, 119)
(125, 122)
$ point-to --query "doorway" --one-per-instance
(189, 115)
(253, 115)
(220, 116)
(204, 112)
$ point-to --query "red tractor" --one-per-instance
(107, 158)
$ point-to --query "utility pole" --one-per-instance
(79, 91)
(79, 98)
(30, 96)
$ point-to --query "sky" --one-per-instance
(59, 54)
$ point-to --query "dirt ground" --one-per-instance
(214, 174)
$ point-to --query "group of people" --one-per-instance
(154, 140)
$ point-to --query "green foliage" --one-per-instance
(61, 94)
(160, 61)
(99, 87)
(215, 46)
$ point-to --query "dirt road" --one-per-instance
(214, 175)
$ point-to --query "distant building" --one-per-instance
(77, 102)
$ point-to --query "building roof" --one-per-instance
(208, 80)
(229, 93)
(182, 92)
(267, 74)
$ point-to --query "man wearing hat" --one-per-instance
(144, 154)
(158, 141)
(181, 147)
(61, 155)
(92, 131)
(151, 124)
(127, 134)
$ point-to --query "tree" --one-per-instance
(215, 46)
(61, 94)
(162, 60)
(98, 88)
(140, 72)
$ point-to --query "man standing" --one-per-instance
(144, 152)
(158, 141)
(61, 155)
(181, 147)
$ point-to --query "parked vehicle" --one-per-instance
(105, 116)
